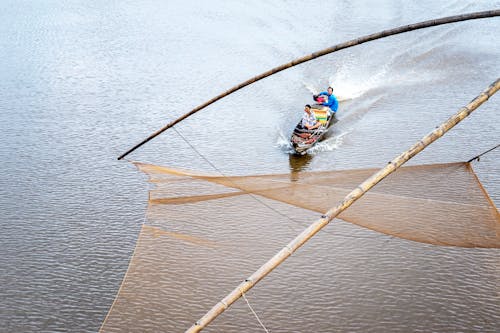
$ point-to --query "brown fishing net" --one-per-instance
(196, 223)
(200, 238)
(441, 204)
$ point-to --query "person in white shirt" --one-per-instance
(309, 121)
(308, 124)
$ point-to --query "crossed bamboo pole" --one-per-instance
(357, 193)
(345, 45)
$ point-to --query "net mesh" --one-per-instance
(440, 204)
(196, 224)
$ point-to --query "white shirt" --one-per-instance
(308, 119)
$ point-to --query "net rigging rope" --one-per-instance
(483, 153)
(278, 187)
(186, 229)
(222, 174)
(350, 199)
(254, 313)
(259, 201)
(255, 197)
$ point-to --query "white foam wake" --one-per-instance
(328, 144)
(283, 142)
(347, 85)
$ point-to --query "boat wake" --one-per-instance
(346, 87)
(333, 141)
(336, 135)
(283, 142)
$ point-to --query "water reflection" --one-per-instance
(298, 163)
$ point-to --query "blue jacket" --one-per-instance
(332, 102)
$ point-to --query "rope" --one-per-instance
(260, 201)
(484, 153)
(255, 314)
(222, 174)
(301, 239)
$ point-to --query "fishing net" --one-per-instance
(192, 249)
(440, 204)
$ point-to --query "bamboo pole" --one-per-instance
(345, 45)
(357, 193)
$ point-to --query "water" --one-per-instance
(81, 82)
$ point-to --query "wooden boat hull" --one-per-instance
(300, 144)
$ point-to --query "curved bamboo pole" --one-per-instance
(353, 42)
(357, 193)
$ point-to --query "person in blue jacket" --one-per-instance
(332, 101)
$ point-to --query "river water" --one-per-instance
(83, 81)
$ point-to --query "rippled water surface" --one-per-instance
(83, 81)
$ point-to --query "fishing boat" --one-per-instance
(300, 142)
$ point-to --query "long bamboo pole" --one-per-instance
(353, 42)
(357, 193)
